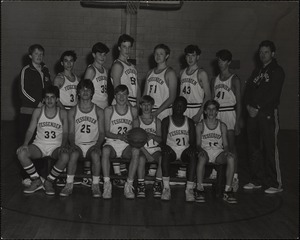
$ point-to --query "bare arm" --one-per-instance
(90, 73)
(146, 85)
(164, 130)
(59, 82)
(236, 87)
(192, 133)
(116, 73)
(212, 87)
(224, 136)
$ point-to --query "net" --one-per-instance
(132, 7)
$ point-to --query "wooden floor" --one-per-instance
(256, 215)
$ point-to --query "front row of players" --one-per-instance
(87, 127)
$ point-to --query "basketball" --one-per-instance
(137, 137)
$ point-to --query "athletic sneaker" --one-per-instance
(119, 183)
(87, 182)
(250, 186)
(61, 182)
(107, 189)
(128, 191)
(141, 191)
(67, 190)
(48, 185)
(96, 190)
(235, 184)
(166, 194)
(199, 195)
(36, 184)
(26, 182)
(189, 195)
(273, 190)
(229, 197)
(157, 189)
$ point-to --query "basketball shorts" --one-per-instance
(213, 154)
(102, 104)
(45, 148)
(152, 150)
(117, 145)
(192, 110)
(178, 152)
(84, 148)
(229, 118)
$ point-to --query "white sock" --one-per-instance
(235, 176)
(70, 178)
(106, 179)
(166, 181)
(96, 179)
(227, 188)
(189, 185)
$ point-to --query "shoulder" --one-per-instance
(170, 70)
(37, 111)
(165, 121)
(90, 69)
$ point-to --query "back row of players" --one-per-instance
(161, 85)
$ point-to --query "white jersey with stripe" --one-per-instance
(100, 97)
(49, 130)
(120, 124)
(150, 128)
(158, 89)
(67, 92)
(211, 138)
(86, 127)
(178, 136)
(192, 91)
(129, 78)
(224, 94)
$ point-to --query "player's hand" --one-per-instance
(72, 148)
(63, 149)
(123, 137)
(22, 148)
(196, 118)
(228, 154)
(252, 111)
(201, 153)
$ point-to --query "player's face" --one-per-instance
(100, 57)
(191, 58)
(50, 100)
(146, 107)
(68, 63)
(160, 55)
(265, 55)
(211, 111)
(37, 56)
(121, 97)
(125, 49)
(85, 93)
(223, 64)
(179, 108)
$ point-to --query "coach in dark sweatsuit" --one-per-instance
(262, 97)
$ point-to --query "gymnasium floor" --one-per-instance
(256, 215)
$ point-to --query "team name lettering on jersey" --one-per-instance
(117, 121)
(86, 118)
(222, 86)
(156, 79)
(101, 78)
(150, 130)
(211, 135)
(70, 87)
(49, 124)
(178, 132)
(189, 80)
(130, 70)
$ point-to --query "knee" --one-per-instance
(22, 155)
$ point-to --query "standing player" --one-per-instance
(178, 143)
(151, 152)
(51, 140)
(86, 135)
(212, 146)
(194, 84)
(227, 92)
(119, 119)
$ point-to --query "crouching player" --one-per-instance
(51, 140)
(213, 147)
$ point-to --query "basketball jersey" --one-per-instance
(158, 89)
(49, 130)
(100, 97)
(192, 91)
(129, 78)
(150, 128)
(224, 94)
(212, 138)
(120, 124)
(86, 127)
(67, 92)
(178, 137)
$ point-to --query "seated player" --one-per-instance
(86, 135)
(51, 140)
(178, 143)
(213, 147)
(119, 119)
(151, 152)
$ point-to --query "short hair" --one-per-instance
(125, 38)
(85, 83)
(147, 99)
(121, 88)
(68, 53)
(192, 49)
(51, 89)
(163, 46)
(211, 102)
(224, 55)
(100, 47)
(180, 99)
(35, 46)
(268, 43)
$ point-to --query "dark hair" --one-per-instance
(211, 102)
(125, 38)
(192, 49)
(35, 46)
(51, 89)
(68, 53)
(121, 88)
(163, 46)
(268, 43)
(147, 99)
(224, 55)
(100, 47)
(180, 99)
(85, 83)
